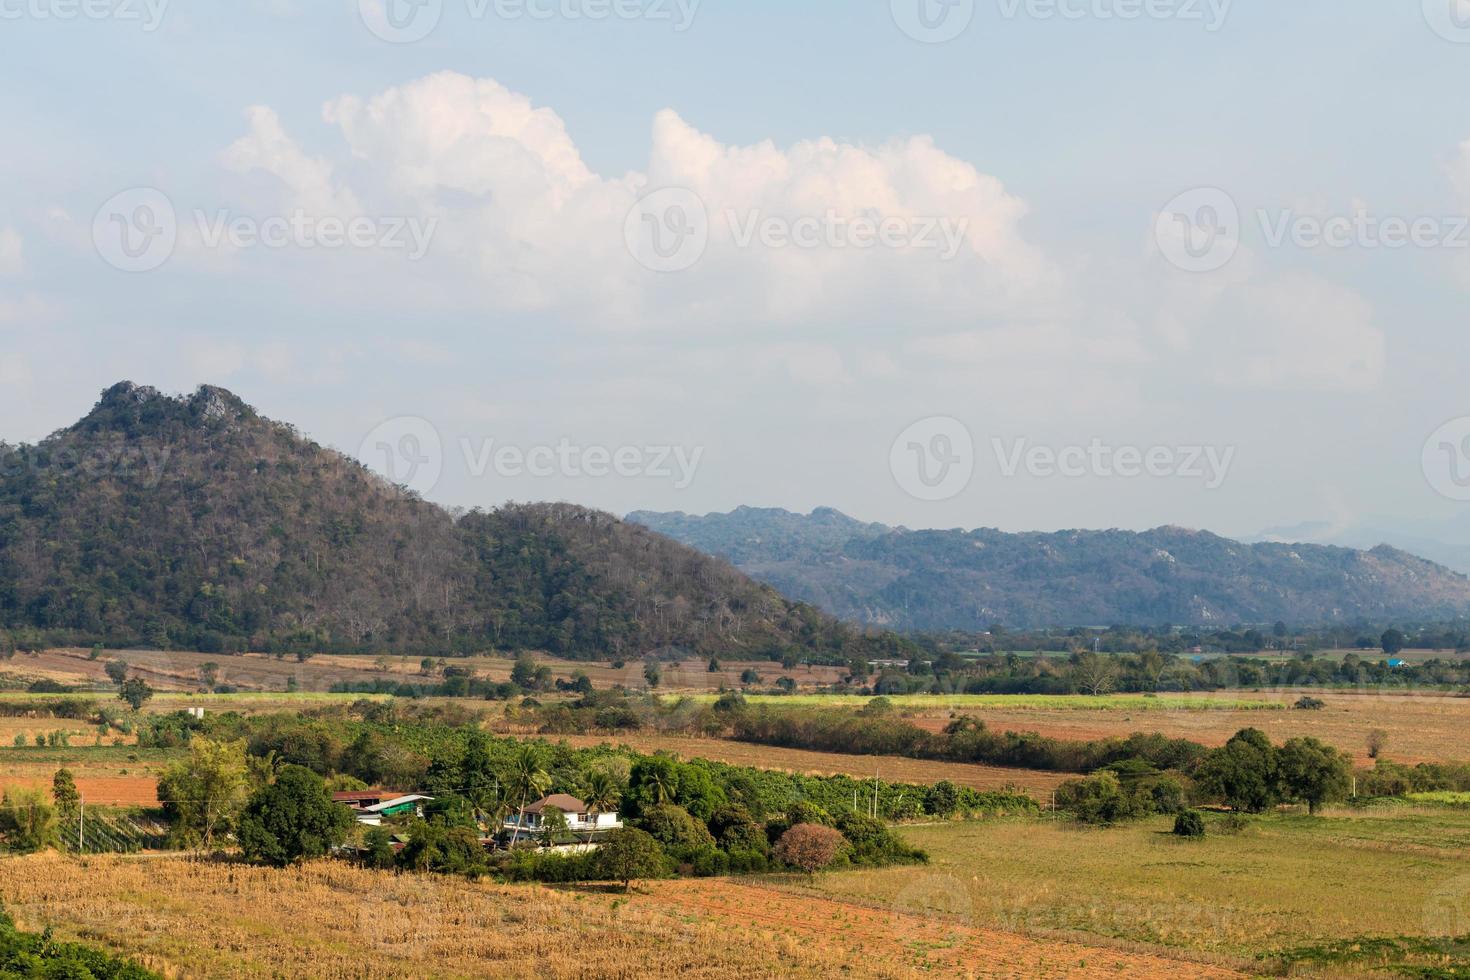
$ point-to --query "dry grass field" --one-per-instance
(332, 920)
(1421, 728)
(178, 671)
(892, 768)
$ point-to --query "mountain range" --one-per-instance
(958, 579)
(194, 522)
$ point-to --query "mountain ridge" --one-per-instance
(192, 521)
(966, 579)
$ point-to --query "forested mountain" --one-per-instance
(195, 523)
(935, 580)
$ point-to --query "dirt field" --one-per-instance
(328, 919)
(180, 671)
(892, 768)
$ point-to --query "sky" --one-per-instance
(1028, 264)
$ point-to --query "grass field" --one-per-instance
(1278, 892)
(330, 920)
(1026, 702)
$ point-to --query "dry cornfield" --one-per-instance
(329, 919)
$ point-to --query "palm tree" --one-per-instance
(526, 778)
(603, 792)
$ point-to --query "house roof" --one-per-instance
(563, 802)
(368, 796)
(396, 802)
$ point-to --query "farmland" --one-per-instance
(326, 919)
(1268, 895)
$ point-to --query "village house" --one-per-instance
(584, 827)
(371, 806)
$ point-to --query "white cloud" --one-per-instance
(525, 224)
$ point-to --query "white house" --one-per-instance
(580, 820)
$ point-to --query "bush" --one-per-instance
(629, 855)
(1097, 799)
(1309, 704)
(1189, 824)
(810, 847)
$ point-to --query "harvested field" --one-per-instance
(97, 790)
(1421, 728)
(178, 671)
(903, 938)
(327, 919)
(892, 768)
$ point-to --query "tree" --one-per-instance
(676, 828)
(65, 794)
(1096, 673)
(602, 792)
(1393, 642)
(116, 670)
(750, 676)
(1377, 742)
(810, 847)
(135, 692)
(379, 846)
(27, 821)
(523, 674)
(1189, 824)
(292, 819)
(628, 855)
(527, 781)
(554, 827)
(652, 674)
(204, 792)
(1244, 773)
(714, 665)
(209, 674)
(1098, 799)
(1314, 772)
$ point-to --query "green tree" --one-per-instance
(527, 781)
(27, 821)
(1098, 799)
(292, 819)
(204, 792)
(65, 794)
(523, 674)
(379, 846)
(676, 828)
(1189, 824)
(1244, 773)
(116, 670)
(652, 674)
(209, 674)
(1393, 642)
(135, 692)
(1314, 772)
(629, 855)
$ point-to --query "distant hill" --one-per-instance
(195, 523)
(934, 580)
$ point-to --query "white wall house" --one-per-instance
(580, 820)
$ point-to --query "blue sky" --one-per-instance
(1053, 143)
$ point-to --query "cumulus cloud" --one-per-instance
(525, 224)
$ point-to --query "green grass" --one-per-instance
(1286, 889)
(1031, 702)
(1445, 798)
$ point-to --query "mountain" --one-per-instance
(1446, 542)
(193, 522)
(936, 580)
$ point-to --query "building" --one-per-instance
(371, 806)
(585, 825)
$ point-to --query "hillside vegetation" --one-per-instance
(195, 523)
(967, 580)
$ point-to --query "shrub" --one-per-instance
(810, 847)
(1097, 799)
(1189, 824)
(1309, 704)
(27, 821)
